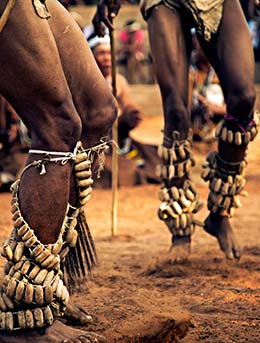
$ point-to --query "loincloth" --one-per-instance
(206, 14)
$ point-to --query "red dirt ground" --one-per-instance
(135, 297)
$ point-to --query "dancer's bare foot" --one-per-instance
(180, 249)
(219, 227)
(76, 315)
(57, 333)
(181, 245)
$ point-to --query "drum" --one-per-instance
(149, 131)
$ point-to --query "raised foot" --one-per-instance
(220, 227)
(180, 249)
(76, 315)
(57, 333)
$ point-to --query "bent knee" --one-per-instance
(58, 129)
(102, 116)
(241, 105)
(109, 113)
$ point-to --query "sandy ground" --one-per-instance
(135, 298)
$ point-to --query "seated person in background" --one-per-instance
(13, 145)
(206, 98)
(129, 114)
(131, 38)
(132, 157)
(131, 50)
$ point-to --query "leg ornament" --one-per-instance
(226, 178)
(179, 203)
(34, 293)
(78, 253)
(80, 250)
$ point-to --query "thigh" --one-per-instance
(230, 51)
(170, 43)
(31, 72)
(86, 82)
(33, 81)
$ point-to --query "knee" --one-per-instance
(69, 127)
(59, 128)
(100, 118)
(241, 104)
(176, 116)
(108, 113)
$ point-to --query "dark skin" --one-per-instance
(236, 77)
(129, 115)
(49, 76)
(230, 53)
(234, 80)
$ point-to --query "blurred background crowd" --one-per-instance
(134, 66)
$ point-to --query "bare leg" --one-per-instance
(86, 83)
(170, 43)
(38, 90)
(231, 54)
(97, 116)
(35, 84)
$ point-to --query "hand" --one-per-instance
(127, 121)
(202, 100)
(130, 117)
(257, 4)
(105, 13)
(13, 133)
(207, 105)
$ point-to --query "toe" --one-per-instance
(77, 340)
(231, 250)
(84, 339)
(237, 252)
(229, 255)
(95, 338)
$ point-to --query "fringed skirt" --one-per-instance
(206, 14)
